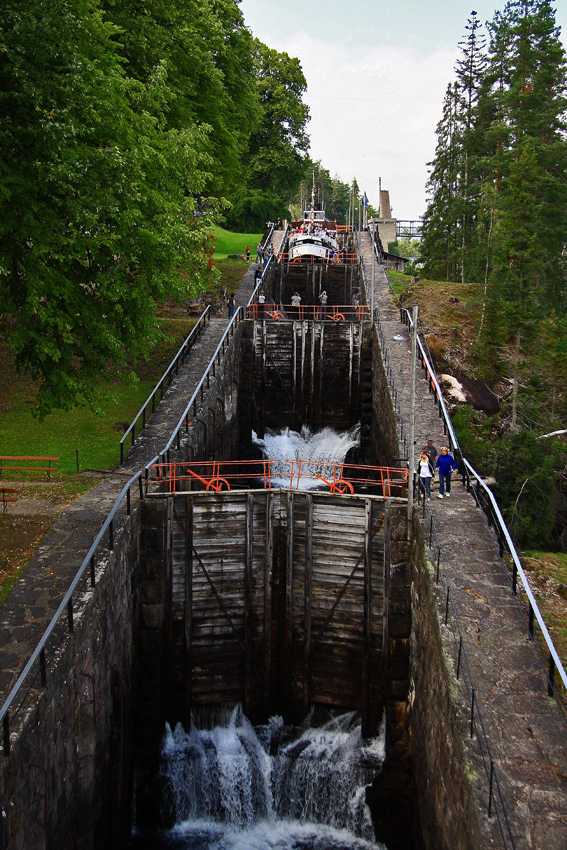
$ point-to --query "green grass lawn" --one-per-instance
(234, 243)
(93, 435)
(63, 433)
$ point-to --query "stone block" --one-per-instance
(400, 576)
(399, 668)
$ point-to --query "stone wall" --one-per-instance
(68, 779)
(212, 427)
(447, 805)
(385, 443)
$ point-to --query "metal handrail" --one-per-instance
(476, 720)
(500, 522)
(179, 357)
(66, 604)
(335, 312)
(499, 519)
(268, 238)
(341, 478)
(236, 319)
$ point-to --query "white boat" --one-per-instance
(314, 239)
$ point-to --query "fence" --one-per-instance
(507, 554)
(510, 564)
(495, 802)
(332, 312)
(36, 667)
(292, 473)
(165, 381)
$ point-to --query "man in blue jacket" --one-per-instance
(445, 464)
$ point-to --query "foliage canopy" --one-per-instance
(126, 126)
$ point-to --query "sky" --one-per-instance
(376, 72)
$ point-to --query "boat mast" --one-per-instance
(312, 211)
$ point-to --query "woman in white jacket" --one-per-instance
(425, 474)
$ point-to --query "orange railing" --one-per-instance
(293, 474)
(334, 312)
(339, 258)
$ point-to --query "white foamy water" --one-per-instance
(224, 791)
(320, 452)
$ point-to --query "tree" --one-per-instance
(204, 59)
(97, 199)
(451, 222)
(440, 237)
(529, 164)
(278, 146)
(470, 131)
(332, 195)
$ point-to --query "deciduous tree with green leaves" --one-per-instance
(98, 206)
(277, 148)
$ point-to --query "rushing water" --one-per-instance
(234, 787)
(319, 451)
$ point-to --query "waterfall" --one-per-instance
(234, 787)
(320, 451)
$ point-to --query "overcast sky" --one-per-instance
(376, 73)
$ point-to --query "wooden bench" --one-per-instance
(28, 459)
(7, 496)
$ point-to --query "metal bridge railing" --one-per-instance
(164, 382)
(477, 731)
(508, 556)
(339, 258)
(37, 666)
(308, 312)
(292, 473)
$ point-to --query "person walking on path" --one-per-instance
(431, 453)
(248, 253)
(261, 302)
(231, 306)
(425, 474)
(445, 464)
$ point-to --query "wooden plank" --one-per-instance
(289, 573)
(366, 618)
(268, 567)
(308, 595)
(248, 601)
(188, 668)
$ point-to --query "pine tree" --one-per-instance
(529, 164)
(469, 137)
(439, 230)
